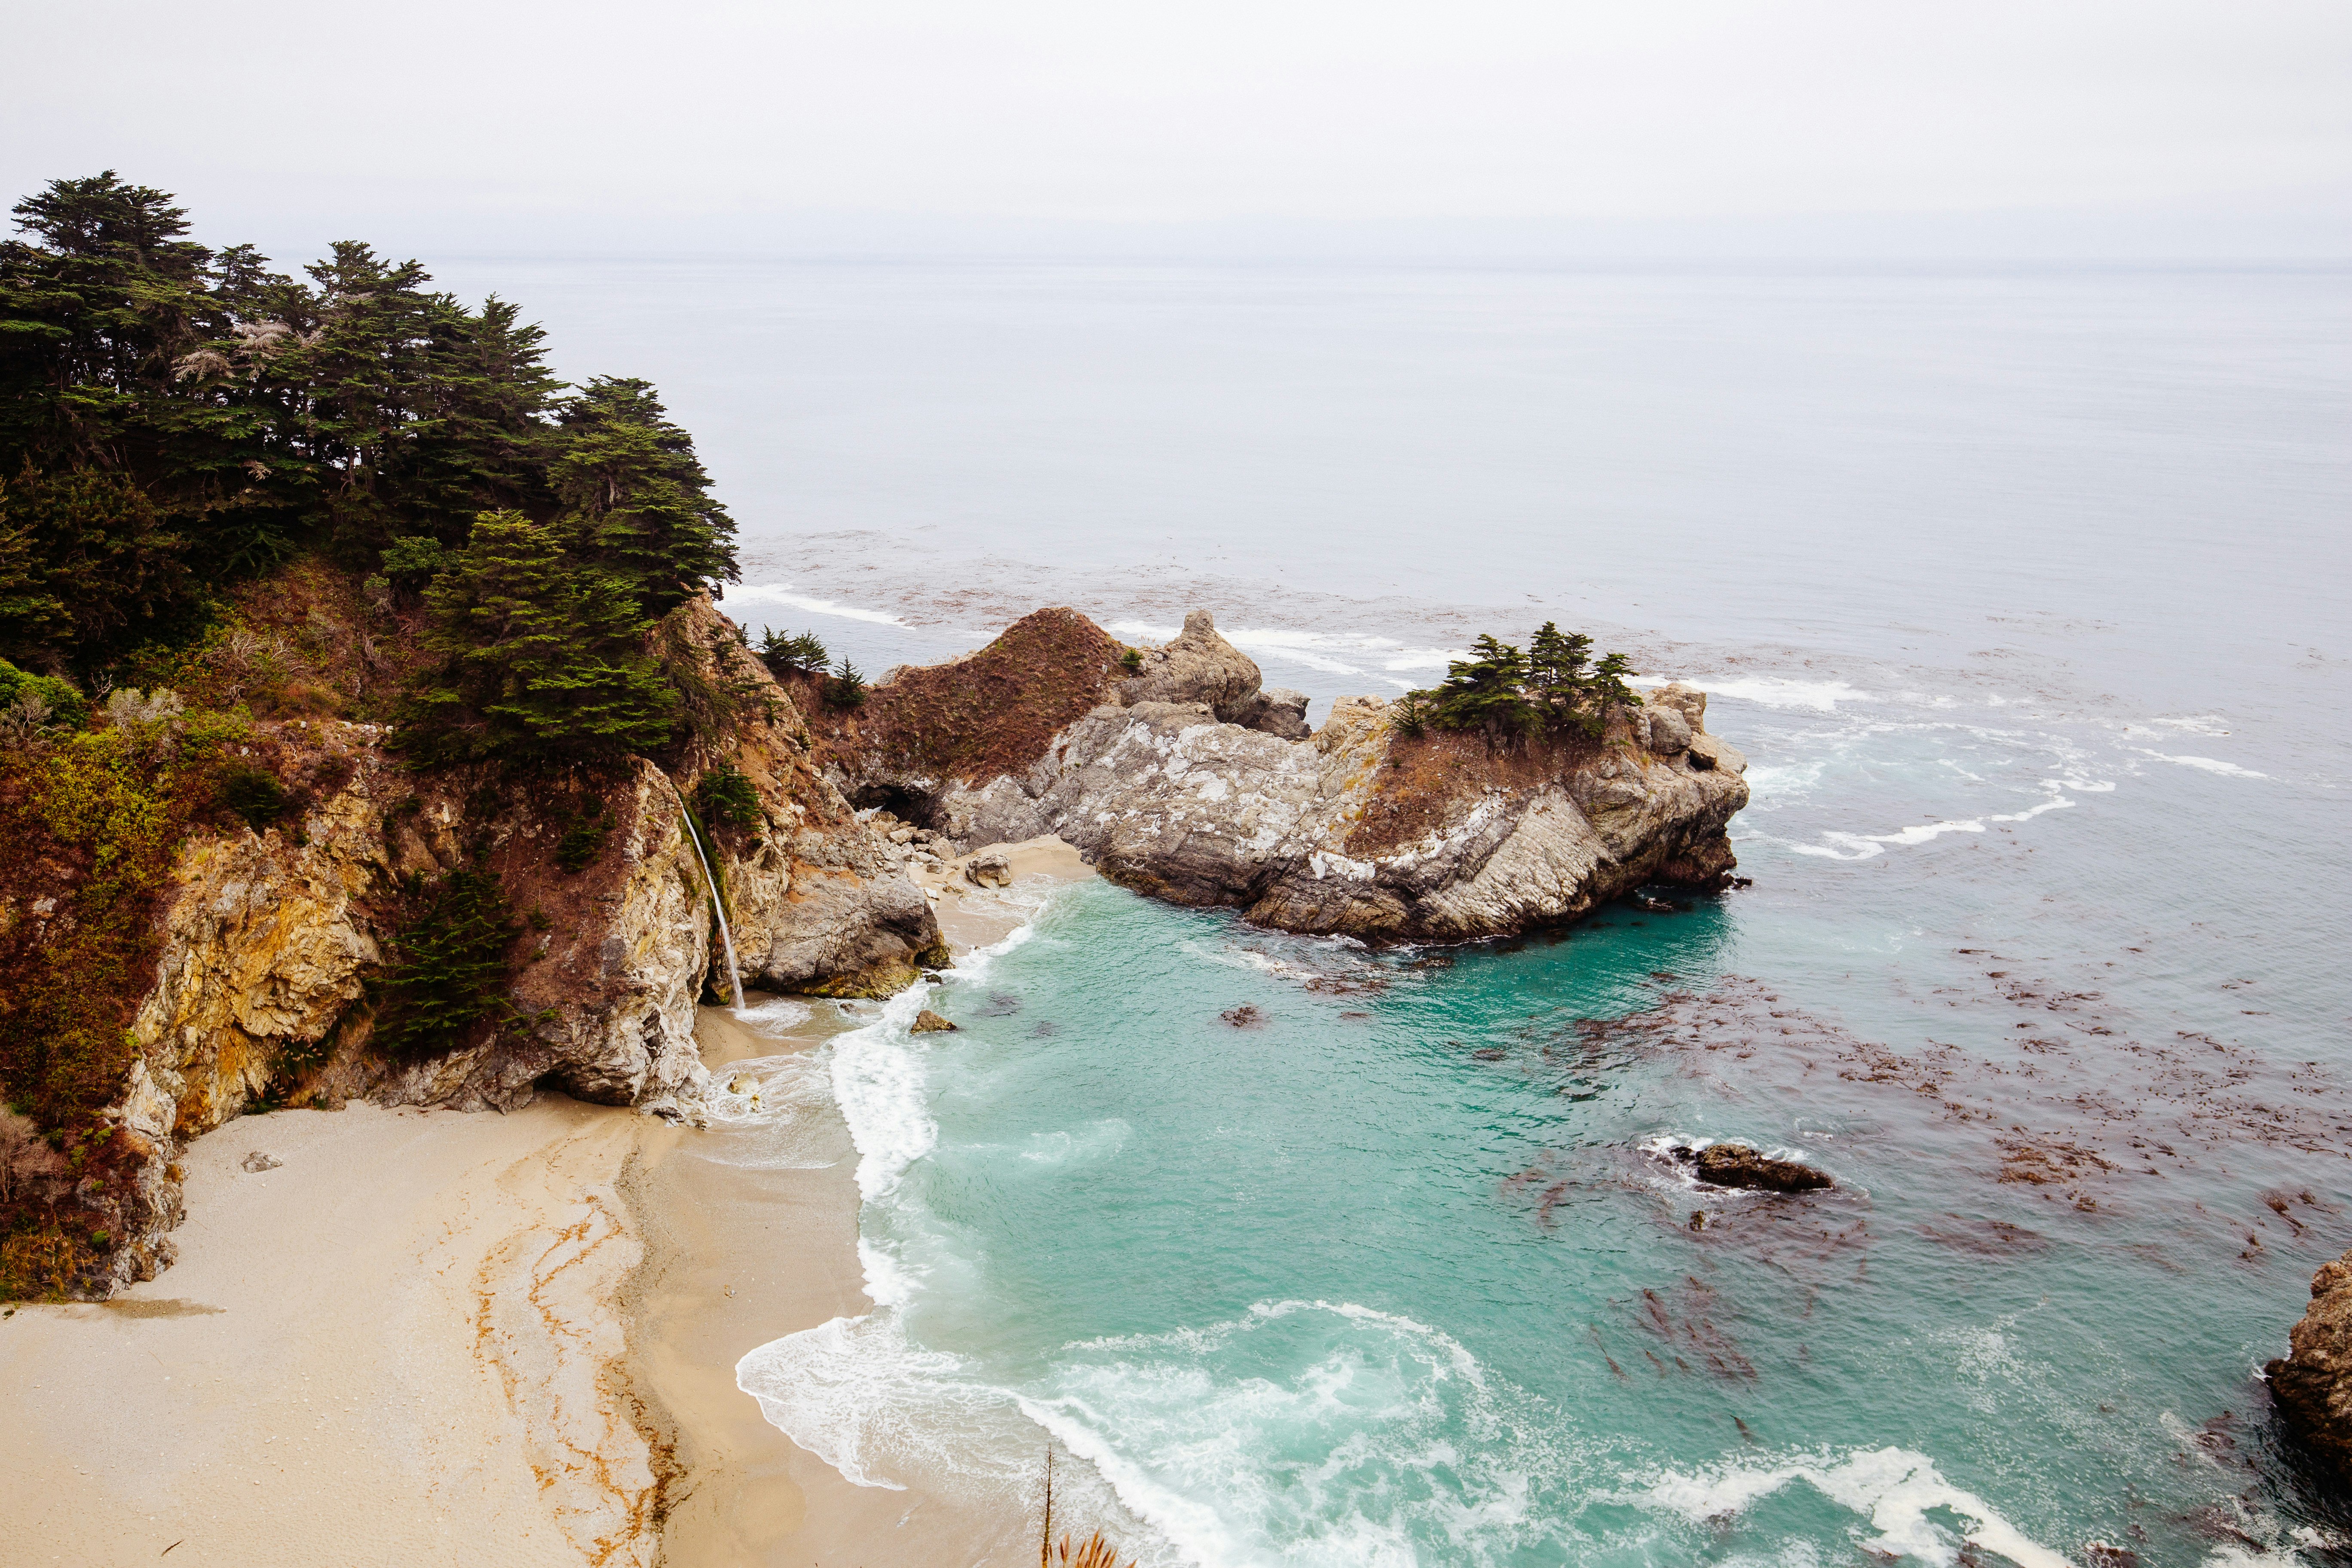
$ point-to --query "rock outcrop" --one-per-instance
(2312, 1382)
(1359, 830)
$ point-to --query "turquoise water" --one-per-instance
(2024, 591)
(1394, 1270)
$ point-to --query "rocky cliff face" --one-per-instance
(270, 941)
(1359, 831)
(2313, 1384)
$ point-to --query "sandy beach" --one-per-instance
(425, 1337)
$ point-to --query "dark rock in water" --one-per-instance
(1737, 1166)
(1490, 1054)
(929, 1022)
(1698, 1219)
(2312, 1382)
(1244, 1017)
(1652, 906)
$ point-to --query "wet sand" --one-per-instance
(737, 1257)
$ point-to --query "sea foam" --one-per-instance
(1895, 1489)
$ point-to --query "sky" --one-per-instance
(917, 123)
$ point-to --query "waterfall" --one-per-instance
(718, 902)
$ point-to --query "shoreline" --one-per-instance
(701, 1299)
(425, 1334)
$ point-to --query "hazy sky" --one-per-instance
(701, 115)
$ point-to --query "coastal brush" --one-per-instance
(1094, 1552)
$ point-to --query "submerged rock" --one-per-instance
(1181, 781)
(1737, 1166)
(2312, 1382)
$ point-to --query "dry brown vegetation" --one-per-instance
(991, 713)
(1428, 781)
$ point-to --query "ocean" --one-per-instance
(2024, 591)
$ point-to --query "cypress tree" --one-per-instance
(542, 660)
(1484, 691)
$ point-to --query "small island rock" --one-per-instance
(1737, 1166)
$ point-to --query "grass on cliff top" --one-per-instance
(1426, 782)
(988, 714)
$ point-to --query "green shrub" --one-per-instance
(251, 793)
(846, 689)
(724, 796)
(803, 653)
(583, 841)
(109, 801)
(67, 708)
(448, 980)
(1131, 661)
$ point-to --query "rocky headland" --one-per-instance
(1174, 771)
(260, 988)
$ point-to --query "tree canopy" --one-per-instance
(173, 416)
(1553, 688)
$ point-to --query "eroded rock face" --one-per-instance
(1199, 667)
(1357, 830)
(2312, 1382)
(270, 941)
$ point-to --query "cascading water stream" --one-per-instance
(718, 904)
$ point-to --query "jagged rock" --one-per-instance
(257, 1162)
(1199, 667)
(1708, 753)
(1669, 731)
(990, 871)
(929, 1022)
(901, 835)
(1687, 701)
(1737, 1166)
(1277, 711)
(2312, 1382)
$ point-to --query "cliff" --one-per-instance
(1177, 774)
(257, 972)
(2312, 1382)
